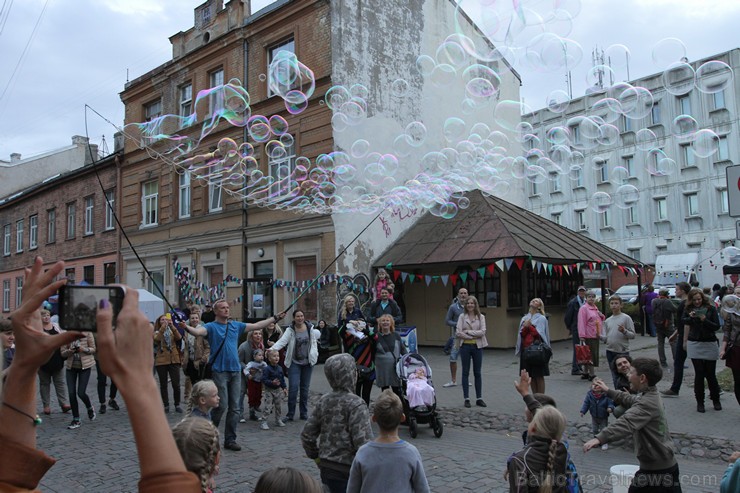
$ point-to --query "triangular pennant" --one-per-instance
(464, 277)
(500, 264)
(389, 265)
(428, 279)
(491, 268)
(396, 273)
(482, 272)
(508, 262)
(412, 278)
(453, 279)
(445, 279)
(519, 261)
(404, 275)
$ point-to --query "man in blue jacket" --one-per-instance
(571, 323)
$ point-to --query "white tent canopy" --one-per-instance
(153, 306)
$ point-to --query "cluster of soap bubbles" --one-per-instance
(430, 165)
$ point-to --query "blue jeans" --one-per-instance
(678, 360)
(229, 384)
(468, 352)
(299, 376)
(576, 340)
(650, 324)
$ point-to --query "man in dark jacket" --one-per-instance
(571, 323)
(384, 306)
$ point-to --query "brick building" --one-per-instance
(64, 217)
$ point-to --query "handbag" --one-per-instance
(537, 354)
(363, 372)
(583, 355)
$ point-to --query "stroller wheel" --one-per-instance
(412, 427)
(438, 427)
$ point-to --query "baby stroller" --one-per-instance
(425, 413)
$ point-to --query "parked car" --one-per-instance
(628, 293)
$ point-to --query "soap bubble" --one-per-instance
(619, 175)
(659, 164)
(443, 75)
(679, 78)
(416, 133)
(645, 139)
(558, 135)
(626, 196)
(295, 102)
(558, 101)
(425, 64)
(706, 143)
(713, 76)
(618, 55)
(730, 255)
(360, 148)
(399, 88)
(600, 202)
(454, 128)
(684, 127)
(608, 109)
(667, 51)
(637, 102)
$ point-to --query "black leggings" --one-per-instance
(736, 378)
(174, 373)
(363, 389)
(705, 368)
(77, 380)
(102, 381)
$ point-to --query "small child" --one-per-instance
(203, 398)
(253, 372)
(600, 406)
(197, 441)
(382, 280)
(387, 463)
(418, 390)
(274, 389)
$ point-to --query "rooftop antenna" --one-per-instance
(568, 75)
(103, 148)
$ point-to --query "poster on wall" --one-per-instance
(258, 300)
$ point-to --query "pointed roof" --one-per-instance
(491, 229)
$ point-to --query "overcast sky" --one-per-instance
(82, 50)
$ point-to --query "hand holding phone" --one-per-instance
(78, 305)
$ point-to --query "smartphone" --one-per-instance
(78, 305)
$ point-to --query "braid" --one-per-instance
(200, 389)
(207, 473)
(198, 443)
(546, 486)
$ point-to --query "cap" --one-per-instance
(581, 288)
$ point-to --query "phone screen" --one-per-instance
(78, 305)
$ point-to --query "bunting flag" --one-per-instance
(519, 261)
(482, 272)
(473, 275)
(396, 274)
(464, 277)
(508, 262)
(445, 279)
(500, 265)
(428, 279)
(490, 268)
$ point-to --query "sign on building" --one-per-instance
(733, 190)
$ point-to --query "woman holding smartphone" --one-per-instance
(702, 346)
(167, 359)
(80, 359)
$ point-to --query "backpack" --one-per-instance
(573, 484)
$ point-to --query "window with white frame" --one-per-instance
(186, 100)
(6, 239)
(724, 201)
(580, 216)
(215, 194)
(149, 203)
(655, 113)
(684, 105)
(6, 295)
(604, 173)
(687, 155)
(723, 149)
(89, 216)
(575, 134)
(51, 226)
(18, 291)
(634, 253)
(578, 178)
(289, 46)
(110, 207)
(718, 100)
(632, 215)
(628, 162)
(534, 188)
(216, 78)
(184, 195)
(626, 124)
(33, 232)
(152, 110)
(71, 220)
(606, 219)
(282, 166)
(692, 204)
(557, 218)
(19, 236)
(661, 205)
(554, 182)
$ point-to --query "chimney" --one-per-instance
(15, 157)
(118, 141)
(79, 140)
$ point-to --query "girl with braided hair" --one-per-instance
(197, 441)
(203, 398)
(540, 467)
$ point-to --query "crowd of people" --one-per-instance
(277, 362)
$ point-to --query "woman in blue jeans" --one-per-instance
(471, 339)
(301, 355)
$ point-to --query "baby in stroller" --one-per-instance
(418, 390)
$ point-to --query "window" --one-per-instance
(554, 182)
(154, 282)
(692, 204)
(628, 162)
(70, 275)
(632, 216)
(71, 220)
(718, 100)
(152, 110)
(282, 70)
(262, 271)
(216, 78)
(186, 100)
(110, 207)
(626, 124)
(655, 114)
(89, 204)
(6, 295)
(18, 291)
(684, 105)
(184, 195)
(534, 189)
(688, 156)
(604, 173)
(577, 177)
(606, 220)
(723, 150)
(33, 232)
(557, 218)
(575, 133)
(109, 273)
(19, 236)
(88, 274)
(6, 239)
(724, 202)
(662, 208)
(581, 220)
(634, 253)
(215, 194)
(149, 203)
(281, 167)
(51, 226)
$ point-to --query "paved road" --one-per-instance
(101, 456)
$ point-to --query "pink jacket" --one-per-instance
(474, 328)
(590, 320)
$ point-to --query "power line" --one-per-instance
(4, 15)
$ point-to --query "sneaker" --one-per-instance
(102, 409)
(113, 405)
(450, 384)
(242, 420)
(480, 403)
(265, 426)
(288, 418)
(91, 413)
(178, 409)
(467, 402)
(605, 446)
(668, 393)
(279, 422)
(74, 424)
(233, 446)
